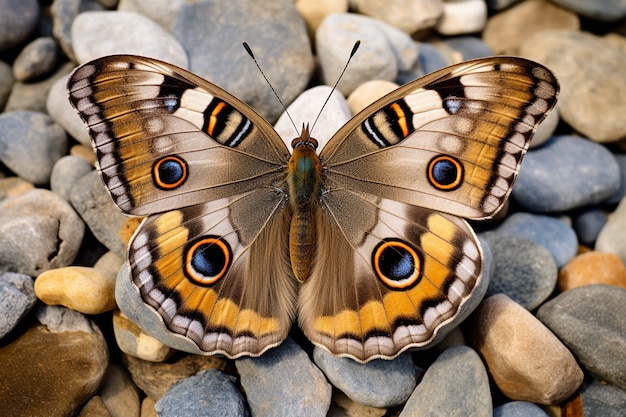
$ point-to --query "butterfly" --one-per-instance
(363, 242)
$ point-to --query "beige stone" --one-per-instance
(314, 11)
(94, 408)
(134, 341)
(119, 393)
(525, 359)
(147, 407)
(459, 17)
(369, 92)
(79, 288)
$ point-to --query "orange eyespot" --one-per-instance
(169, 172)
(445, 173)
(208, 260)
(397, 264)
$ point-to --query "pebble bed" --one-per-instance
(548, 338)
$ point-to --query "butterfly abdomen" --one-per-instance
(303, 179)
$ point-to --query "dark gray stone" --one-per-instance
(603, 400)
(17, 298)
(36, 60)
(18, 19)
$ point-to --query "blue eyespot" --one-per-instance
(169, 172)
(396, 263)
(207, 260)
(445, 173)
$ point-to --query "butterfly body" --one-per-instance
(364, 241)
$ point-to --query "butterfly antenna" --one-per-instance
(354, 49)
(249, 51)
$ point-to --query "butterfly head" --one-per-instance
(304, 139)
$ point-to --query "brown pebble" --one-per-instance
(592, 268)
(525, 359)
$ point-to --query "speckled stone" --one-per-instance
(17, 298)
(592, 268)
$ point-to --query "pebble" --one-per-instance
(546, 128)
(162, 12)
(18, 19)
(526, 361)
(315, 11)
(342, 406)
(33, 95)
(201, 27)
(30, 144)
(549, 232)
(460, 17)
(305, 109)
(546, 184)
(592, 70)
(147, 407)
(13, 186)
(209, 393)
(588, 224)
(94, 408)
(64, 12)
(119, 394)
(95, 206)
(378, 383)
(369, 92)
(384, 50)
(592, 268)
(6, 83)
(133, 341)
(524, 270)
(601, 10)
(95, 34)
(430, 58)
(455, 385)
(505, 32)
(590, 320)
(17, 298)
(154, 378)
(56, 365)
(406, 15)
(79, 288)
(519, 409)
(62, 112)
(66, 172)
(284, 382)
(612, 238)
(621, 193)
(36, 60)
(38, 231)
(461, 48)
(602, 400)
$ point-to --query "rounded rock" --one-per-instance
(459, 17)
(526, 361)
(369, 92)
(519, 409)
(209, 393)
(590, 320)
(17, 298)
(62, 112)
(79, 288)
(37, 59)
(588, 224)
(407, 15)
(612, 238)
(18, 19)
(38, 231)
(30, 144)
(66, 172)
(546, 184)
(602, 400)
(119, 393)
(592, 268)
(133, 341)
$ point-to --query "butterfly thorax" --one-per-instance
(303, 179)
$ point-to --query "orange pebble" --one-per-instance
(592, 268)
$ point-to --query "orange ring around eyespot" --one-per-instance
(391, 283)
(157, 175)
(196, 276)
(459, 173)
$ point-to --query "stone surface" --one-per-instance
(66, 172)
(505, 32)
(96, 34)
(94, 204)
(600, 10)
(30, 144)
(18, 19)
(591, 69)
(6, 83)
(155, 378)
(220, 27)
(38, 231)
(603, 400)
(162, 12)
(284, 382)
(384, 50)
(546, 183)
(61, 111)
(64, 12)
(369, 92)
(17, 298)
(31, 96)
(209, 393)
(459, 17)
(612, 238)
(592, 268)
(406, 15)
(80, 288)
(588, 224)
(523, 270)
(549, 232)
(315, 11)
(119, 393)
(36, 60)
(94, 408)
(527, 362)
(519, 409)
(58, 365)
(456, 384)
(134, 341)
(590, 320)
(378, 383)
